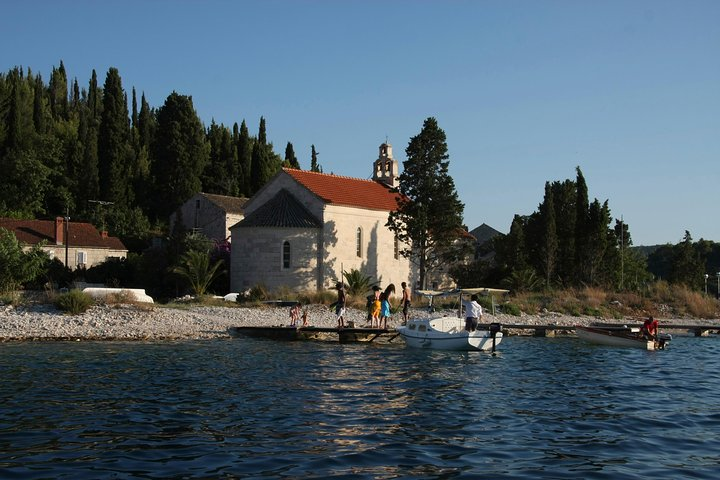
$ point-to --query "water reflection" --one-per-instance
(542, 407)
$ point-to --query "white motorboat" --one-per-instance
(621, 336)
(448, 332)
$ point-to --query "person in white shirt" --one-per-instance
(473, 313)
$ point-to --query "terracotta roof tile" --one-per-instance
(353, 192)
(282, 210)
(32, 232)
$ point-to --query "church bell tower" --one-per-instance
(385, 168)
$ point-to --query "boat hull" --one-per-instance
(448, 334)
(618, 337)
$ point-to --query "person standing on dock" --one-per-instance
(340, 305)
(294, 314)
(473, 313)
(376, 307)
(385, 310)
(405, 301)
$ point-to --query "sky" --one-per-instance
(525, 90)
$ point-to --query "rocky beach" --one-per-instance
(152, 322)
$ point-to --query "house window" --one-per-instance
(359, 242)
(397, 248)
(286, 255)
(81, 259)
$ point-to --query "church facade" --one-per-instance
(303, 229)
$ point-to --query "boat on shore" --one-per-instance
(621, 336)
(448, 332)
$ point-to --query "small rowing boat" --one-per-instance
(622, 336)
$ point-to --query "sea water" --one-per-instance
(247, 408)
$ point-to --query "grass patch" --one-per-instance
(74, 302)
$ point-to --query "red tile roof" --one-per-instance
(348, 191)
(32, 232)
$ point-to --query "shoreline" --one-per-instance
(43, 322)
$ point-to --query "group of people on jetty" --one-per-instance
(379, 308)
(378, 305)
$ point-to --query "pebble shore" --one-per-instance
(132, 322)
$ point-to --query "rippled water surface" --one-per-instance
(541, 408)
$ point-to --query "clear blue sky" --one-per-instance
(525, 90)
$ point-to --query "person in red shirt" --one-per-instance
(650, 328)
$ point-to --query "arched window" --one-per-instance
(359, 242)
(286, 255)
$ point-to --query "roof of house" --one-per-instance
(282, 210)
(229, 204)
(484, 232)
(348, 191)
(32, 232)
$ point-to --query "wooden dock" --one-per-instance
(288, 333)
(355, 335)
(551, 330)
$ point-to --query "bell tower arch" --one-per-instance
(385, 168)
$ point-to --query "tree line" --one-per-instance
(570, 242)
(108, 158)
(113, 160)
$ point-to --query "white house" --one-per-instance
(302, 229)
(75, 244)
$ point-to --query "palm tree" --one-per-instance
(195, 267)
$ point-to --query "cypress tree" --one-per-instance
(261, 168)
(549, 240)
(290, 158)
(59, 92)
(581, 229)
(244, 153)
(314, 165)
(39, 106)
(181, 153)
(113, 142)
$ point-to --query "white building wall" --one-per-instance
(377, 258)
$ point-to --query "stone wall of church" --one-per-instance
(377, 257)
(257, 259)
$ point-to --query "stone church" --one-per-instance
(303, 229)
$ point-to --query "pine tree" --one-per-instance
(429, 215)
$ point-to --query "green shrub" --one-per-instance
(74, 302)
(511, 309)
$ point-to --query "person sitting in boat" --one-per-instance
(473, 313)
(649, 329)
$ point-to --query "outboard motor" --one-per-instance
(494, 328)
